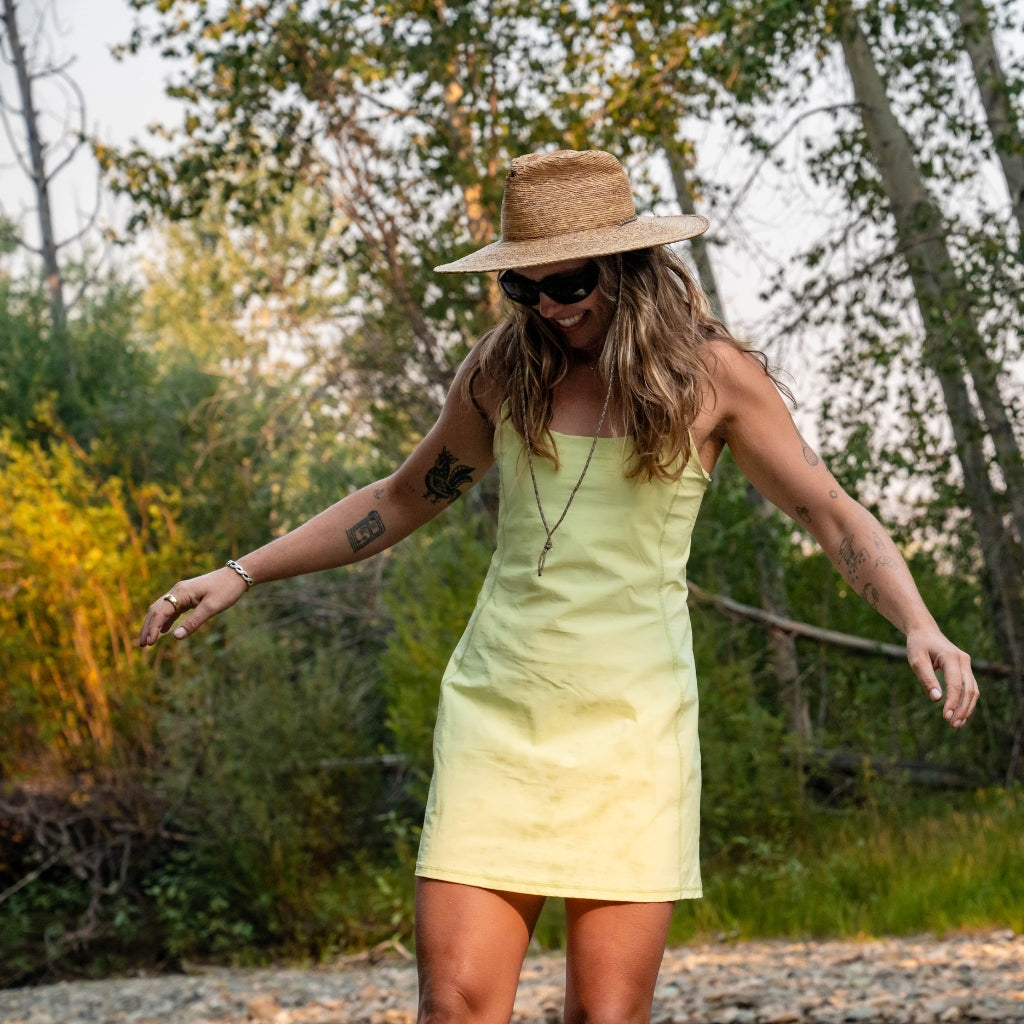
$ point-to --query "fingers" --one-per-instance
(162, 614)
(197, 599)
(962, 691)
(191, 623)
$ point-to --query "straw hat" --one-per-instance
(570, 205)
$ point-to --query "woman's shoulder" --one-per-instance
(739, 378)
(477, 385)
(739, 369)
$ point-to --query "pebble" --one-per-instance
(964, 979)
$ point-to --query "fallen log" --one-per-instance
(832, 637)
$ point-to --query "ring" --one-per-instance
(172, 599)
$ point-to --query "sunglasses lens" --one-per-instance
(519, 289)
(565, 289)
(575, 288)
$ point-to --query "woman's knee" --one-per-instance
(611, 1008)
(446, 1004)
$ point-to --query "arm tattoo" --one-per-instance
(870, 594)
(809, 457)
(804, 513)
(852, 558)
(444, 479)
(366, 531)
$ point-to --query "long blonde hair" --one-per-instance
(658, 361)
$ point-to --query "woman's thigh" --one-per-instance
(613, 955)
(470, 945)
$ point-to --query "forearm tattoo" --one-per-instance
(852, 558)
(445, 479)
(366, 531)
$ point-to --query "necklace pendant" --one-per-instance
(543, 557)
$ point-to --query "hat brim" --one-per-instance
(641, 233)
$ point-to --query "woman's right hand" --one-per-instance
(202, 596)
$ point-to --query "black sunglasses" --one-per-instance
(565, 289)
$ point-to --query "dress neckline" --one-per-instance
(590, 437)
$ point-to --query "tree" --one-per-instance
(996, 99)
(954, 350)
(42, 160)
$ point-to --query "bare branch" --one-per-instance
(857, 644)
(741, 192)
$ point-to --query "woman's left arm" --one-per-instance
(753, 420)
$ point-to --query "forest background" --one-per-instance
(276, 338)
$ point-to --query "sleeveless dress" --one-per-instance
(566, 760)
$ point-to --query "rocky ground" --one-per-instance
(978, 978)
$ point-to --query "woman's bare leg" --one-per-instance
(613, 954)
(470, 945)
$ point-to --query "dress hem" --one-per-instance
(560, 890)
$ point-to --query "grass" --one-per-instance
(930, 868)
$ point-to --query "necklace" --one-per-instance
(550, 530)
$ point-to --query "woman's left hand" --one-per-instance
(929, 652)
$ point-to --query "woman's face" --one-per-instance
(583, 324)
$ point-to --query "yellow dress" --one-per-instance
(566, 760)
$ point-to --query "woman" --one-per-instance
(566, 759)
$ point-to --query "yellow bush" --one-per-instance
(79, 563)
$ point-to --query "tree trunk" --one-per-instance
(995, 98)
(699, 245)
(40, 181)
(953, 341)
(953, 349)
(771, 583)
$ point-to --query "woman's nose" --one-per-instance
(547, 307)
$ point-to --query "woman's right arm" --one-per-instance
(451, 458)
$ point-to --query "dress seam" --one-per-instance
(662, 582)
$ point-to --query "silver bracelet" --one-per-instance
(232, 564)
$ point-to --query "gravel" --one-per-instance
(919, 980)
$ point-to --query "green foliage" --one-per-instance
(752, 791)
(271, 743)
(34, 923)
(192, 913)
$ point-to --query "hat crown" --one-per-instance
(552, 194)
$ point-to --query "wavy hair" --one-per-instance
(659, 359)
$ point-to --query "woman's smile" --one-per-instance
(584, 323)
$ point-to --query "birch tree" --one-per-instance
(997, 99)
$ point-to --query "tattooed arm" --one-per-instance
(749, 415)
(450, 459)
